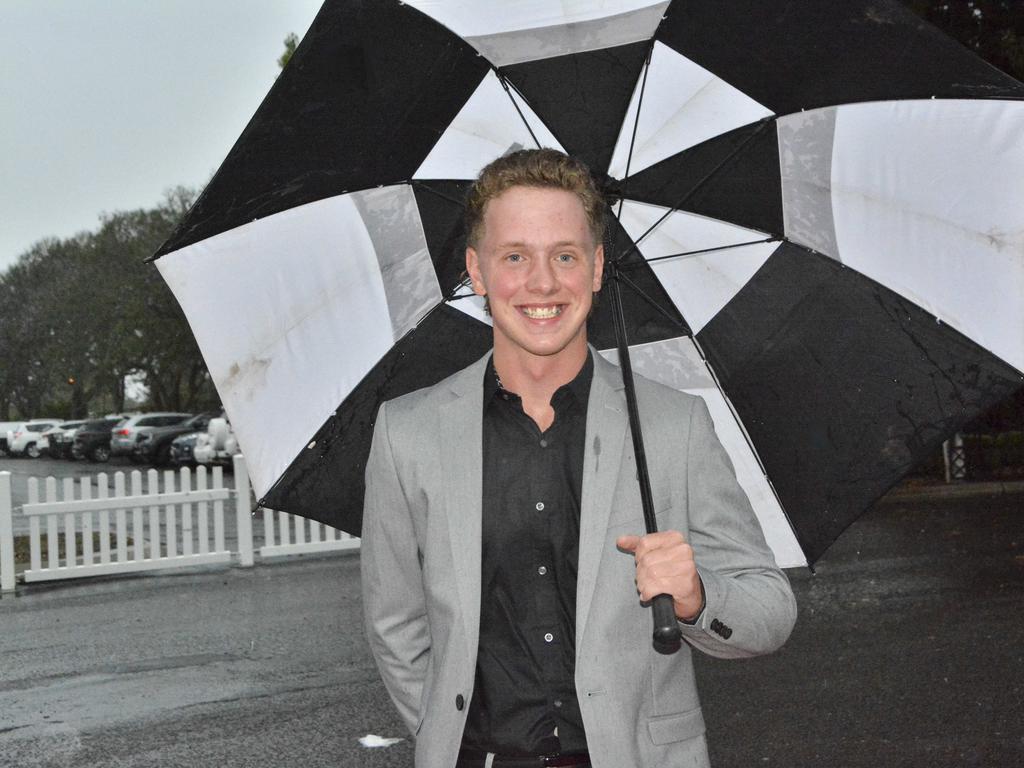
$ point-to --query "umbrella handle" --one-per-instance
(667, 636)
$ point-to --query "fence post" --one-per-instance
(243, 511)
(6, 534)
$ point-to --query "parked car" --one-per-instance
(154, 446)
(217, 445)
(56, 441)
(92, 440)
(183, 448)
(123, 439)
(4, 426)
(23, 440)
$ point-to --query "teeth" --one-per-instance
(542, 313)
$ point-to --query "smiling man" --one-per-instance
(503, 580)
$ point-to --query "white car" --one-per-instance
(217, 445)
(24, 439)
(4, 427)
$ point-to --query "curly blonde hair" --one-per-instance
(546, 168)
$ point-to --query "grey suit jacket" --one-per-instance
(421, 567)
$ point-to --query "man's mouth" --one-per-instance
(542, 313)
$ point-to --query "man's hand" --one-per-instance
(664, 565)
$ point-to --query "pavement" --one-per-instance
(909, 651)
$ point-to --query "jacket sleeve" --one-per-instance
(393, 598)
(749, 605)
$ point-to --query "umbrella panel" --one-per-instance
(326, 482)
(842, 385)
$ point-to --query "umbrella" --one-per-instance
(817, 226)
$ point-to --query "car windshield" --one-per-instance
(38, 427)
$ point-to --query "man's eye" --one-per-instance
(565, 258)
(514, 257)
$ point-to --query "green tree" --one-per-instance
(83, 314)
(291, 42)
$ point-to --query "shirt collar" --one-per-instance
(579, 387)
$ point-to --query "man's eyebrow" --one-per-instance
(559, 244)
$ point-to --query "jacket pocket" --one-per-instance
(666, 729)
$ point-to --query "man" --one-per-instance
(503, 578)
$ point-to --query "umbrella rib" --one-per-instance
(636, 126)
(696, 188)
(655, 305)
(636, 264)
(426, 188)
(464, 283)
(508, 92)
(452, 297)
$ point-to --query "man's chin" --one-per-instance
(542, 346)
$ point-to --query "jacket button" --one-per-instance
(460, 702)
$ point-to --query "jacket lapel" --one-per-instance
(461, 440)
(606, 433)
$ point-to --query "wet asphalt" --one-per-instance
(909, 651)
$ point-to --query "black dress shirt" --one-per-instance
(524, 699)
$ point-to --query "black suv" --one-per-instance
(92, 440)
(154, 446)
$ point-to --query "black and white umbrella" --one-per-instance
(817, 211)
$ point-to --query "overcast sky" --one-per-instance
(104, 104)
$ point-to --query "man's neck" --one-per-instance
(536, 378)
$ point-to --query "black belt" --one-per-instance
(474, 758)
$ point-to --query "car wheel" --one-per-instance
(101, 453)
(32, 450)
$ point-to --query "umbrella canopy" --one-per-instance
(816, 215)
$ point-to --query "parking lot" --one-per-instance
(22, 469)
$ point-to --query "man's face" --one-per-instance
(539, 266)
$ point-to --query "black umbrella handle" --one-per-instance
(667, 635)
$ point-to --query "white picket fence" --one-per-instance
(170, 520)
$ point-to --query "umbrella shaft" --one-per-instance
(643, 477)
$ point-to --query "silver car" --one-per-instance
(122, 439)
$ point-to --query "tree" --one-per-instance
(82, 314)
(291, 42)
(993, 29)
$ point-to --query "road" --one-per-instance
(909, 651)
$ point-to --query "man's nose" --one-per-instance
(542, 277)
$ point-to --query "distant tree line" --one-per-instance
(992, 29)
(82, 315)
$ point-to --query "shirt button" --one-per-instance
(542, 570)
(540, 506)
(548, 637)
(543, 443)
(558, 702)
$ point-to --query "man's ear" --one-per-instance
(598, 267)
(473, 270)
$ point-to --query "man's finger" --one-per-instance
(628, 543)
(658, 540)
